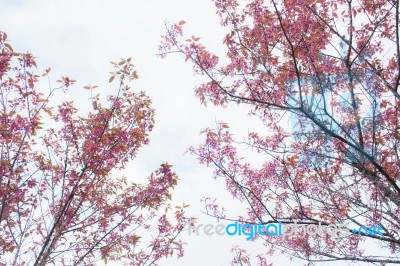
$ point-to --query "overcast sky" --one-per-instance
(79, 38)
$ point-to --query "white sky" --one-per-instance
(79, 38)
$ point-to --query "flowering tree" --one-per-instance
(323, 77)
(59, 201)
